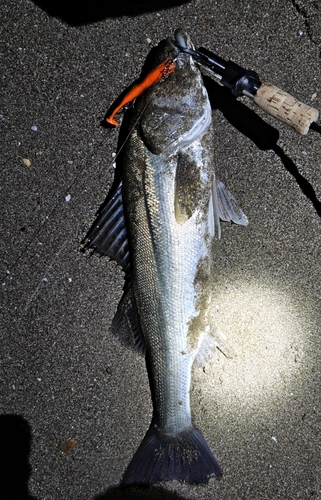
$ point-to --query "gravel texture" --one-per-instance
(75, 402)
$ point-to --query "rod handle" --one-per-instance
(285, 108)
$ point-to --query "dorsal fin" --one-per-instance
(108, 235)
(126, 323)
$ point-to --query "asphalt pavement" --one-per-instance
(75, 402)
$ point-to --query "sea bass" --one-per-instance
(160, 226)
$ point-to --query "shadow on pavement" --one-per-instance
(263, 135)
(78, 12)
(15, 443)
(137, 493)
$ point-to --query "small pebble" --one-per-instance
(68, 197)
(68, 446)
(34, 128)
(27, 162)
(300, 32)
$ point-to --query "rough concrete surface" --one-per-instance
(75, 403)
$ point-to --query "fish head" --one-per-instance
(177, 111)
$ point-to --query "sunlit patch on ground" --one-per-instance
(263, 335)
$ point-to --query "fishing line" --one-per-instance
(42, 224)
(132, 128)
(35, 235)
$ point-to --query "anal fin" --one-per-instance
(209, 347)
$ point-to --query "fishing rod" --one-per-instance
(271, 99)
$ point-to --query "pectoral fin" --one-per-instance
(188, 187)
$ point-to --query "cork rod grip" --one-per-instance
(285, 108)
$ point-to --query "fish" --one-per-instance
(161, 225)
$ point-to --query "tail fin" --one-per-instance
(162, 457)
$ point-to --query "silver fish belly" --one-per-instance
(171, 209)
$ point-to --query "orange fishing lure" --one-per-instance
(162, 71)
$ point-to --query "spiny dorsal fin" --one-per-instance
(108, 236)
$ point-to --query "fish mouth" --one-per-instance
(182, 43)
(183, 40)
(176, 48)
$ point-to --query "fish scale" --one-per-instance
(165, 291)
